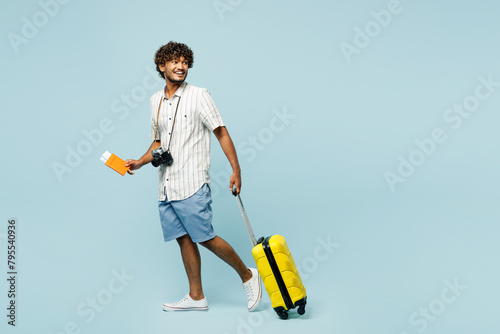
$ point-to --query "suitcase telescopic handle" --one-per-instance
(245, 217)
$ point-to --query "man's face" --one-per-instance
(175, 70)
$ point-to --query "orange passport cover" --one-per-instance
(117, 164)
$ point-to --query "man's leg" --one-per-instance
(194, 300)
(223, 250)
(250, 277)
(192, 264)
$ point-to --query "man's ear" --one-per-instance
(162, 67)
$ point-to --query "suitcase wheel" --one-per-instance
(301, 304)
(283, 315)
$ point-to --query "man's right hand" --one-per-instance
(133, 164)
(144, 160)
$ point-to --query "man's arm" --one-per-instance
(227, 146)
(145, 159)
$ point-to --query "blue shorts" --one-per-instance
(192, 216)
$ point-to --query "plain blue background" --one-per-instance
(317, 177)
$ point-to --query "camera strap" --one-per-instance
(173, 124)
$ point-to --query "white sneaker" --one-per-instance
(253, 289)
(187, 304)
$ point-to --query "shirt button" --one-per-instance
(169, 119)
(167, 179)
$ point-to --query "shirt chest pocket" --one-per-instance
(186, 120)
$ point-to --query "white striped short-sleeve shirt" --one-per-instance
(197, 117)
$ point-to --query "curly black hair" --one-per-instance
(171, 51)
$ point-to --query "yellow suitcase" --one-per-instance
(277, 269)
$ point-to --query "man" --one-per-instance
(182, 119)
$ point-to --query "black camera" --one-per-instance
(161, 156)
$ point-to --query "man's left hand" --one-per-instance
(235, 181)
